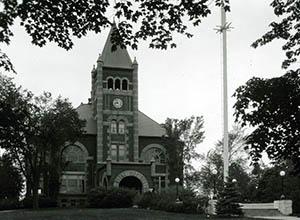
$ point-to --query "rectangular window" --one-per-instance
(121, 152)
(121, 127)
(113, 152)
(73, 184)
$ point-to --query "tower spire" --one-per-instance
(115, 58)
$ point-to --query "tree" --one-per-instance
(238, 162)
(33, 128)
(269, 186)
(59, 124)
(59, 21)
(287, 29)
(228, 201)
(208, 181)
(237, 141)
(11, 183)
(185, 134)
(271, 108)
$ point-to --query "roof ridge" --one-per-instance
(151, 119)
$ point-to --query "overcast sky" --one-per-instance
(176, 83)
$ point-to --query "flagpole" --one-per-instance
(225, 95)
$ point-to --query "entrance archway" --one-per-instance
(134, 174)
(131, 182)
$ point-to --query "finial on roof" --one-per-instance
(99, 58)
(134, 61)
(94, 68)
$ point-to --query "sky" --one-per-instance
(175, 83)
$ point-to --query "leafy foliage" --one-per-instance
(237, 141)
(208, 181)
(11, 183)
(33, 127)
(238, 165)
(44, 202)
(166, 201)
(287, 29)
(111, 198)
(268, 187)
(59, 21)
(183, 136)
(271, 107)
(228, 201)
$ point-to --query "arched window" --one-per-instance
(121, 127)
(75, 157)
(73, 154)
(110, 83)
(124, 84)
(118, 84)
(155, 153)
(113, 127)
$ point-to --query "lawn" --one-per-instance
(96, 214)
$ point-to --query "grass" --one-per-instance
(98, 214)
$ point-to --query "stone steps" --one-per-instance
(261, 212)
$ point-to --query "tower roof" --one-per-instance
(118, 58)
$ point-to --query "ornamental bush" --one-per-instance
(166, 201)
(7, 204)
(111, 198)
(228, 201)
(44, 202)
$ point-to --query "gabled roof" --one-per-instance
(118, 58)
(85, 113)
(147, 126)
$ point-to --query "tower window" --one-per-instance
(113, 127)
(113, 152)
(121, 127)
(124, 84)
(110, 83)
(121, 153)
(118, 84)
(117, 152)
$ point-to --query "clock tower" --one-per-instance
(115, 105)
(122, 146)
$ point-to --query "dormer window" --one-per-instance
(117, 84)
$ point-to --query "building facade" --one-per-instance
(122, 147)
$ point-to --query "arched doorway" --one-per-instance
(131, 182)
(134, 174)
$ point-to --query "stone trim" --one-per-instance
(117, 112)
(153, 146)
(135, 113)
(99, 95)
(117, 92)
(134, 173)
(78, 144)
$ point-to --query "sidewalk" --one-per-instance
(278, 217)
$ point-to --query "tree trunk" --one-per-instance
(35, 196)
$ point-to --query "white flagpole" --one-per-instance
(225, 95)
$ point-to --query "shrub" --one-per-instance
(167, 201)
(44, 202)
(96, 196)
(111, 198)
(7, 204)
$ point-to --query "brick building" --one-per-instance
(122, 147)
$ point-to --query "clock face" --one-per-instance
(118, 103)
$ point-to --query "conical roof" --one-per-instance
(118, 58)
